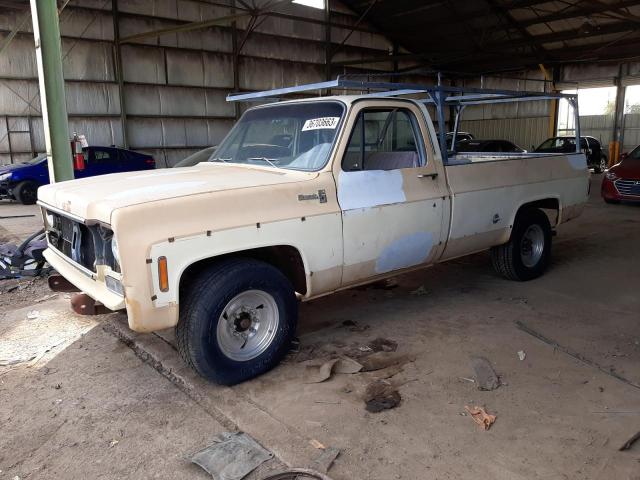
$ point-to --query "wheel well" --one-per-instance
(285, 258)
(548, 205)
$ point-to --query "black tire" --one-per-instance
(612, 201)
(602, 166)
(509, 259)
(26, 192)
(202, 309)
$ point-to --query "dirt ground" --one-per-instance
(559, 416)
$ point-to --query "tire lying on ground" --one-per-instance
(26, 192)
(527, 253)
(237, 320)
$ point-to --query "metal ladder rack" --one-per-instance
(440, 96)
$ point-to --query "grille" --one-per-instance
(74, 240)
(628, 187)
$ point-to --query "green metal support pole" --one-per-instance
(46, 33)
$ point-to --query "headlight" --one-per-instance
(50, 219)
(611, 176)
(5, 176)
(114, 249)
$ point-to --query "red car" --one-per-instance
(622, 181)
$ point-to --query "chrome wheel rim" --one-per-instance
(603, 165)
(247, 325)
(532, 246)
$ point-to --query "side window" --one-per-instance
(384, 139)
(102, 156)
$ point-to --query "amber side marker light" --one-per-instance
(163, 274)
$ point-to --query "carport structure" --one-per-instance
(155, 75)
(133, 59)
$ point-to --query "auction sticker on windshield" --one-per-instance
(319, 123)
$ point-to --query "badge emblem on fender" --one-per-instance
(321, 196)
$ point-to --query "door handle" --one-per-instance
(428, 175)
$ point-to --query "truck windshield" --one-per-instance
(295, 136)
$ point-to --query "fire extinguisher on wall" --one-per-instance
(78, 154)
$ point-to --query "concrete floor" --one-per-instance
(557, 417)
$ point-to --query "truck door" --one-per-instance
(390, 190)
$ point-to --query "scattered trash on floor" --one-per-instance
(381, 395)
(485, 376)
(419, 291)
(522, 355)
(380, 360)
(298, 474)
(320, 373)
(45, 298)
(33, 314)
(480, 416)
(24, 260)
(113, 443)
(627, 445)
(325, 460)
(232, 457)
(383, 345)
(316, 444)
(354, 326)
(388, 372)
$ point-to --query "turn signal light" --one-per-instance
(163, 274)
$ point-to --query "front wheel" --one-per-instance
(237, 320)
(26, 192)
(527, 253)
(602, 166)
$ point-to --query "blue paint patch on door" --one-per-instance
(405, 252)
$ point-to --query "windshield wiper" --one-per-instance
(264, 159)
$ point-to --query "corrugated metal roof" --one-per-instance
(482, 36)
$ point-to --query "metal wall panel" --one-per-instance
(175, 84)
(631, 131)
(525, 132)
(143, 64)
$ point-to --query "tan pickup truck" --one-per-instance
(301, 199)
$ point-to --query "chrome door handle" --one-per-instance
(428, 175)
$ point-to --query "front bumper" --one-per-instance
(613, 190)
(84, 280)
(5, 190)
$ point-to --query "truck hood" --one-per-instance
(97, 197)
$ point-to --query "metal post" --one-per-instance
(328, 53)
(618, 120)
(236, 60)
(46, 33)
(439, 97)
(119, 72)
(576, 115)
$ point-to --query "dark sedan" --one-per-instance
(488, 146)
(591, 146)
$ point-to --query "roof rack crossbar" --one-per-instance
(389, 89)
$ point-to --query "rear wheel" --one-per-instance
(26, 192)
(527, 253)
(602, 166)
(237, 320)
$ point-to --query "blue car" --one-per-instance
(21, 181)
